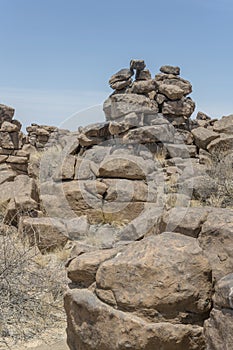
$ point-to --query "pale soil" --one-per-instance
(53, 339)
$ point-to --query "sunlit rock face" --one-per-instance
(136, 196)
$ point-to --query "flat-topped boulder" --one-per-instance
(120, 105)
(121, 79)
(203, 136)
(170, 70)
(224, 125)
(115, 329)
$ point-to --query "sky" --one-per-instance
(56, 56)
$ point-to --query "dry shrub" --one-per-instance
(31, 289)
(222, 173)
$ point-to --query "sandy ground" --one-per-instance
(61, 345)
(53, 339)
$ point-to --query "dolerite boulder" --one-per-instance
(203, 136)
(9, 127)
(224, 125)
(138, 66)
(6, 113)
(170, 70)
(181, 108)
(172, 81)
(94, 325)
(143, 86)
(173, 92)
(48, 234)
(216, 240)
(218, 328)
(121, 79)
(221, 145)
(122, 104)
(139, 293)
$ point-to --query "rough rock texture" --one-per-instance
(47, 233)
(184, 108)
(170, 70)
(133, 277)
(203, 136)
(122, 104)
(216, 240)
(136, 280)
(136, 195)
(224, 125)
(172, 92)
(218, 328)
(93, 325)
(167, 93)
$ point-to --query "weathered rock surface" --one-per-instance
(133, 277)
(48, 234)
(6, 113)
(121, 79)
(174, 81)
(203, 137)
(93, 325)
(171, 91)
(143, 86)
(170, 70)
(122, 104)
(150, 134)
(9, 127)
(218, 328)
(223, 297)
(216, 240)
(83, 268)
(130, 167)
(137, 64)
(179, 108)
(121, 191)
(221, 145)
(187, 221)
(224, 125)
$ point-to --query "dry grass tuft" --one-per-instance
(222, 173)
(31, 289)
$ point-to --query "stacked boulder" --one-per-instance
(144, 264)
(44, 136)
(11, 142)
(167, 92)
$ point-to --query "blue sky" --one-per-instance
(57, 55)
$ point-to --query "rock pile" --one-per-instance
(144, 264)
(11, 142)
(166, 93)
(44, 136)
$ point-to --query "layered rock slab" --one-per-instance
(93, 325)
(171, 283)
(216, 240)
(119, 105)
(218, 329)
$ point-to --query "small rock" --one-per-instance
(144, 75)
(137, 64)
(172, 92)
(170, 70)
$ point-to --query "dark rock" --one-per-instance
(122, 75)
(137, 64)
(170, 70)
